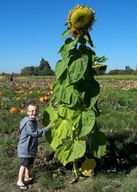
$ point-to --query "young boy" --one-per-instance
(28, 144)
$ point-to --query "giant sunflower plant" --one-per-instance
(73, 108)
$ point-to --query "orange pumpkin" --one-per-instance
(18, 98)
(41, 99)
(46, 98)
(51, 92)
(23, 111)
(13, 110)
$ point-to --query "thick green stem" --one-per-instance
(75, 167)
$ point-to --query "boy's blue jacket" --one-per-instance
(28, 142)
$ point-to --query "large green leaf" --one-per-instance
(70, 151)
(92, 90)
(65, 93)
(98, 144)
(69, 43)
(68, 46)
(55, 141)
(89, 52)
(69, 96)
(59, 88)
(83, 122)
(77, 69)
(60, 68)
(89, 92)
(65, 112)
(75, 99)
(50, 116)
(55, 136)
(68, 49)
(64, 129)
(93, 102)
(69, 56)
(66, 56)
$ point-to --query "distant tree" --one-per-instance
(26, 71)
(127, 71)
(43, 69)
(127, 68)
(36, 71)
(32, 69)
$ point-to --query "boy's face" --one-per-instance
(32, 111)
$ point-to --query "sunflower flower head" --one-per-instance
(75, 32)
(80, 19)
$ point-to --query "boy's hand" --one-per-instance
(52, 127)
(45, 130)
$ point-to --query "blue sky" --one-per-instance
(32, 29)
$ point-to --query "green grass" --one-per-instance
(116, 171)
(118, 109)
(116, 77)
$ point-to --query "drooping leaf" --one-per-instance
(75, 99)
(69, 44)
(64, 129)
(92, 90)
(77, 69)
(83, 122)
(70, 151)
(67, 54)
(68, 41)
(50, 116)
(59, 88)
(53, 139)
(68, 95)
(65, 93)
(98, 144)
(65, 112)
(60, 68)
(89, 52)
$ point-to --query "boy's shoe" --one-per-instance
(22, 187)
(29, 181)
